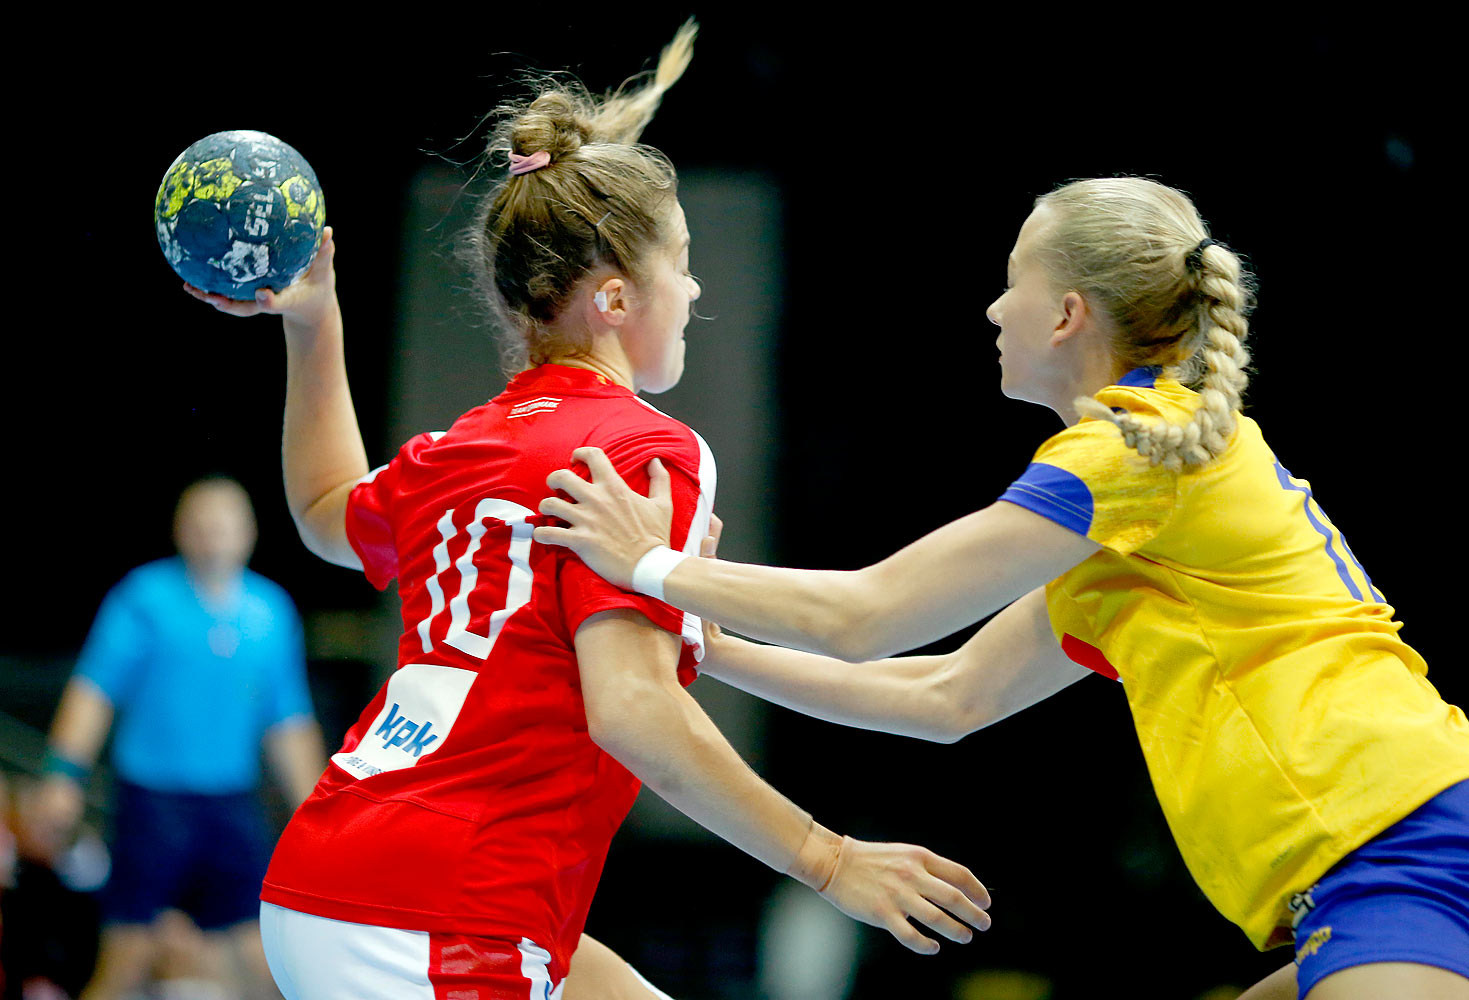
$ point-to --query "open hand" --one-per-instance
(611, 526)
(307, 299)
(886, 884)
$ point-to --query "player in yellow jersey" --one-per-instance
(1316, 783)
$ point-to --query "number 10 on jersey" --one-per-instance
(517, 582)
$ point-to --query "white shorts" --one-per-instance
(317, 958)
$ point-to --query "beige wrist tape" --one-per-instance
(816, 862)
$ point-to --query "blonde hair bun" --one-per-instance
(551, 123)
(603, 201)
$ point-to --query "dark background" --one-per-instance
(907, 151)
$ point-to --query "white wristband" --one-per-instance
(650, 572)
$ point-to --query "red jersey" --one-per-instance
(468, 796)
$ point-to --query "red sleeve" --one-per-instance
(370, 515)
(584, 593)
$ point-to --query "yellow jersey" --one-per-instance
(1283, 720)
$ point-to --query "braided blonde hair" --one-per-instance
(604, 200)
(1129, 246)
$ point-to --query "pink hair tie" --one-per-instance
(525, 164)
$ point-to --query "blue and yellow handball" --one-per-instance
(239, 211)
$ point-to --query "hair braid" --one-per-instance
(1220, 317)
(1125, 243)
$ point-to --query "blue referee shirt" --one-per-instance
(195, 683)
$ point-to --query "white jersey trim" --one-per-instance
(535, 964)
(693, 626)
(376, 472)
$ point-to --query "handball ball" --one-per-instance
(237, 212)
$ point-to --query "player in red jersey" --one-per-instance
(453, 845)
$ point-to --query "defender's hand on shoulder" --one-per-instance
(610, 526)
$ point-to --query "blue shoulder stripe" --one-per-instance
(1142, 378)
(1055, 494)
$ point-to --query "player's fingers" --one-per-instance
(909, 936)
(569, 483)
(708, 546)
(931, 916)
(549, 535)
(325, 251)
(956, 902)
(958, 876)
(598, 464)
(232, 307)
(659, 487)
(556, 507)
(267, 300)
(716, 530)
(217, 301)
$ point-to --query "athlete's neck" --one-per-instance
(618, 369)
(214, 583)
(1093, 375)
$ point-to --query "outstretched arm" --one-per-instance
(1012, 663)
(952, 577)
(638, 713)
(321, 448)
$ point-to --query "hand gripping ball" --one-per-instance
(239, 211)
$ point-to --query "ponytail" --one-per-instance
(584, 195)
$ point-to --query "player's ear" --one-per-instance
(608, 301)
(1073, 317)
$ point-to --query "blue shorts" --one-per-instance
(1401, 897)
(203, 854)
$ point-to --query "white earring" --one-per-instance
(601, 299)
